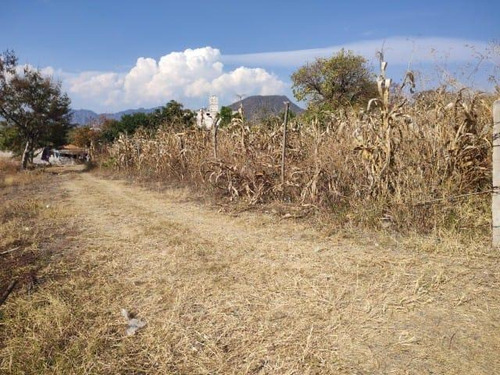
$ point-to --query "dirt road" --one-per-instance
(251, 293)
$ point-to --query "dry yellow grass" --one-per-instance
(9, 175)
(245, 294)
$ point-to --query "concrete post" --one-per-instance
(495, 201)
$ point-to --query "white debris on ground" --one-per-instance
(133, 323)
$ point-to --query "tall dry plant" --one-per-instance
(411, 162)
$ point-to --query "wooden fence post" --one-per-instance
(216, 130)
(283, 150)
(495, 201)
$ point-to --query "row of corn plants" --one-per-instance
(416, 163)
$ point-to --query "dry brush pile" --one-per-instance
(421, 163)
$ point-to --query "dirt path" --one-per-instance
(251, 293)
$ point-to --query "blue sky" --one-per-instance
(112, 55)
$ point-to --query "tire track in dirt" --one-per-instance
(177, 207)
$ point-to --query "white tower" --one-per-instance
(213, 106)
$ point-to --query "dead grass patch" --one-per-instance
(32, 229)
(247, 294)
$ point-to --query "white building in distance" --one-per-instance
(205, 117)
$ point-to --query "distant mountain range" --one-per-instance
(85, 116)
(255, 107)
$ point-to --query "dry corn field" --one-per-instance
(421, 166)
(229, 293)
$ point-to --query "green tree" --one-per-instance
(172, 114)
(110, 129)
(130, 123)
(34, 110)
(343, 79)
(226, 115)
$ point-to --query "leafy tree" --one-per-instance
(343, 79)
(110, 129)
(172, 114)
(130, 123)
(9, 138)
(226, 115)
(34, 110)
(84, 136)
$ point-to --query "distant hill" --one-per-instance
(84, 116)
(256, 107)
(259, 106)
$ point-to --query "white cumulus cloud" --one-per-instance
(191, 74)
